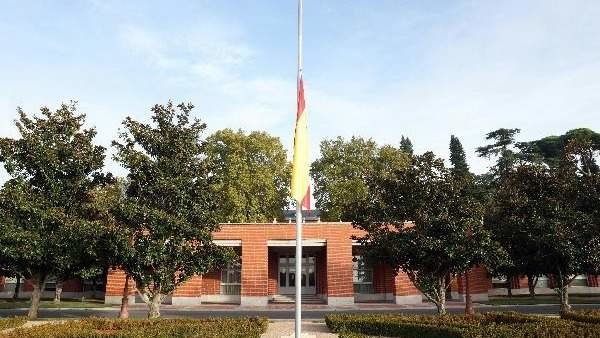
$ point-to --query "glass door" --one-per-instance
(287, 274)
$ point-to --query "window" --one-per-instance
(231, 279)
(362, 275)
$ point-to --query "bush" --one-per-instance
(508, 325)
(8, 323)
(583, 316)
(160, 328)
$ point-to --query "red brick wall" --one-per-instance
(71, 285)
(2, 283)
(254, 265)
(479, 281)
(339, 263)
(403, 286)
(115, 282)
(593, 280)
(211, 283)
(191, 288)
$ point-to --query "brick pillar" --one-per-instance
(479, 283)
(115, 282)
(321, 270)
(340, 288)
(255, 276)
(404, 290)
(593, 281)
(2, 283)
(189, 293)
(515, 282)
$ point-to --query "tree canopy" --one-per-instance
(251, 173)
(340, 174)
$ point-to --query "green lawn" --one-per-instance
(48, 303)
(541, 299)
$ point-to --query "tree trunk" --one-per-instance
(17, 288)
(124, 312)
(154, 305)
(440, 303)
(564, 299)
(36, 295)
(94, 288)
(531, 284)
(509, 286)
(468, 301)
(58, 291)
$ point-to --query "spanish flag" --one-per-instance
(300, 164)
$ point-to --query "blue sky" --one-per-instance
(380, 69)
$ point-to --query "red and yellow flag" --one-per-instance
(301, 164)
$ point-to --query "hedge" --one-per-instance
(509, 325)
(583, 316)
(251, 327)
(8, 323)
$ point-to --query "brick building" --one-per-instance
(333, 270)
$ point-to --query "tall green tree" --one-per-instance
(169, 208)
(340, 174)
(458, 158)
(442, 210)
(406, 145)
(252, 175)
(53, 167)
(502, 147)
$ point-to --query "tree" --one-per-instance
(406, 145)
(252, 175)
(458, 159)
(502, 148)
(518, 219)
(442, 211)
(572, 240)
(550, 148)
(53, 167)
(340, 174)
(169, 207)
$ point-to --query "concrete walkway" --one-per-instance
(285, 328)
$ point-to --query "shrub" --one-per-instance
(583, 316)
(160, 328)
(8, 323)
(497, 325)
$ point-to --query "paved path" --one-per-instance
(285, 328)
(313, 312)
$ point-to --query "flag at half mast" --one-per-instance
(300, 164)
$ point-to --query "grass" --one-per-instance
(541, 299)
(49, 303)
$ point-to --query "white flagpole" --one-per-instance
(298, 278)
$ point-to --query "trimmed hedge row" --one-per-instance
(160, 328)
(9, 323)
(583, 316)
(497, 325)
